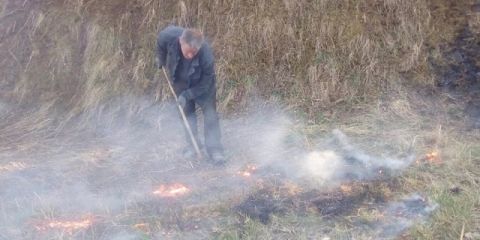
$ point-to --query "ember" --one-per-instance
(173, 190)
(248, 171)
(346, 188)
(432, 158)
(144, 227)
(67, 226)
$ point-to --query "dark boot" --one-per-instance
(212, 132)
(188, 153)
(217, 158)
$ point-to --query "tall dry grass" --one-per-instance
(312, 54)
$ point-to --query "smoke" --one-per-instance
(339, 161)
(270, 138)
(107, 162)
(99, 164)
(4, 108)
(401, 215)
(261, 135)
(323, 165)
(124, 235)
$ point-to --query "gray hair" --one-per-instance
(193, 37)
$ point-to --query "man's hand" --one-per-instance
(159, 63)
(182, 100)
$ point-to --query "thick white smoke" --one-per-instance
(107, 164)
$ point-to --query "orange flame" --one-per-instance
(173, 190)
(67, 226)
(144, 227)
(345, 188)
(432, 158)
(248, 171)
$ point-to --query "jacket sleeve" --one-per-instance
(161, 53)
(207, 78)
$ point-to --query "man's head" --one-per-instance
(190, 42)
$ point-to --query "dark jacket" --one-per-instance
(201, 73)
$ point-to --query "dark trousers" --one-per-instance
(212, 133)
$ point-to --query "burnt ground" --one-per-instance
(391, 216)
(331, 202)
(458, 72)
(110, 171)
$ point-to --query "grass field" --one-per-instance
(103, 179)
(89, 139)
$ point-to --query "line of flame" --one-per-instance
(68, 226)
(172, 190)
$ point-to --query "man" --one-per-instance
(190, 64)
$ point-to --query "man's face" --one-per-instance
(188, 51)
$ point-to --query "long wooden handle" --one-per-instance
(182, 113)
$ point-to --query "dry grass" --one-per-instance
(426, 129)
(66, 62)
(397, 126)
(314, 55)
(138, 158)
